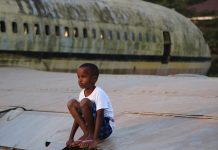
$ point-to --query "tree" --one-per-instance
(181, 5)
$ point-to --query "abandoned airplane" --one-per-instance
(120, 36)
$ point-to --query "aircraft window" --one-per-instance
(126, 36)
(14, 27)
(133, 36)
(118, 35)
(154, 38)
(76, 32)
(85, 33)
(93, 33)
(47, 29)
(2, 26)
(36, 29)
(26, 28)
(102, 34)
(140, 36)
(110, 36)
(147, 37)
(57, 30)
(66, 32)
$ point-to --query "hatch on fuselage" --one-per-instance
(167, 48)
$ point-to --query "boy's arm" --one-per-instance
(72, 133)
(73, 130)
(98, 123)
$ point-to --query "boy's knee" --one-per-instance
(71, 103)
(85, 102)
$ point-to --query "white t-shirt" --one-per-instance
(101, 99)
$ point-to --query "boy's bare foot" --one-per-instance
(90, 143)
(93, 145)
(77, 142)
(86, 142)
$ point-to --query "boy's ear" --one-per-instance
(95, 78)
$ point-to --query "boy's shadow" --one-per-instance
(75, 148)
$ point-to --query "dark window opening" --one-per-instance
(110, 35)
(76, 32)
(2, 26)
(57, 30)
(154, 38)
(85, 33)
(36, 29)
(47, 30)
(102, 34)
(93, 33)
(147, 37)
(26, 28)
(14, 27)
(118, 35)
(140, 36)
(167, 47)
(66, 32)
(133, 36)
(126, 36)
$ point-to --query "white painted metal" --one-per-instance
(152, 112)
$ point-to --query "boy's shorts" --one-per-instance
(106, 129)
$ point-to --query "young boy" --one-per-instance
(93, 112)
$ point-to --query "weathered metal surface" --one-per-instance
(141, 16)
(107, 66)
(151, 112)
(108, 15)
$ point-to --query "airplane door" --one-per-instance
(167, 47)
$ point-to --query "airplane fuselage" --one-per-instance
(119, 36)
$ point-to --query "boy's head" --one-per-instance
(87, 75)
(92, 68)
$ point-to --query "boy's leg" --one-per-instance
(89, 113)
(86, 107)
(74, 108)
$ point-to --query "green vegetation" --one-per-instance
(179, 5)
(210, 31)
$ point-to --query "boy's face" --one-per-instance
(85, 78)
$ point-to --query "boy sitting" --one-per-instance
(92, 112)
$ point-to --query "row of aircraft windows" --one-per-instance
(75, 32)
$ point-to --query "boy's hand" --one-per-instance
(69, 142)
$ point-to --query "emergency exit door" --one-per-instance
(167, 48)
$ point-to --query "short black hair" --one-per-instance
(93, 68)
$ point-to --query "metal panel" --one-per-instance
(151, 112)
